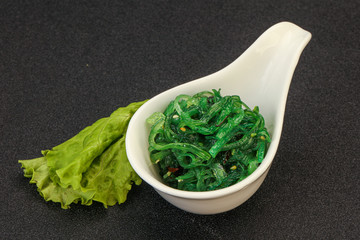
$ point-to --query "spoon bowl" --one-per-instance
(261, 76)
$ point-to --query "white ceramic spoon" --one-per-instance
(260, 76)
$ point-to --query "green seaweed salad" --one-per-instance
(207, 141)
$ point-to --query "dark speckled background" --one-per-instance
(65, 64)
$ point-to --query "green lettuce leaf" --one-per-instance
(91, 166)
(38, 171)
(110, 175)
(70, 159)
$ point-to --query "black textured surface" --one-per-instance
(65, 64)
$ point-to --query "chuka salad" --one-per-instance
(207, 141)
(200, 143)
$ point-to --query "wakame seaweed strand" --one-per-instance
(207, 141)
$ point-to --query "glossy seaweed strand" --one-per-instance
(206, 141)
